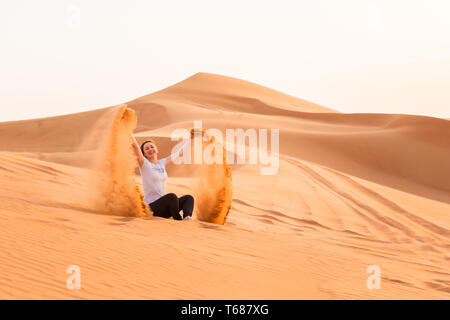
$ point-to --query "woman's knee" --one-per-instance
(172, 199)
(189, 198)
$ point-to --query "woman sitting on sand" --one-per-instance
(154, 178)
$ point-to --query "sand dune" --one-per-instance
(352, 190)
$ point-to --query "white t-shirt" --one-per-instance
(154, 178)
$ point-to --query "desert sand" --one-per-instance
(352, 190)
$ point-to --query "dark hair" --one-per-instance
(143, 144)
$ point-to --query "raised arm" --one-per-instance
(137, 150)
(178, 153)
(195, 133)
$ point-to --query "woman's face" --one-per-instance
(150, 150)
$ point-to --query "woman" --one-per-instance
(154, 178)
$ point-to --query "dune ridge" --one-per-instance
(352, 190)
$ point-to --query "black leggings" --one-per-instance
(170, 205)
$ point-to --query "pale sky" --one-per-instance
(357, 56)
